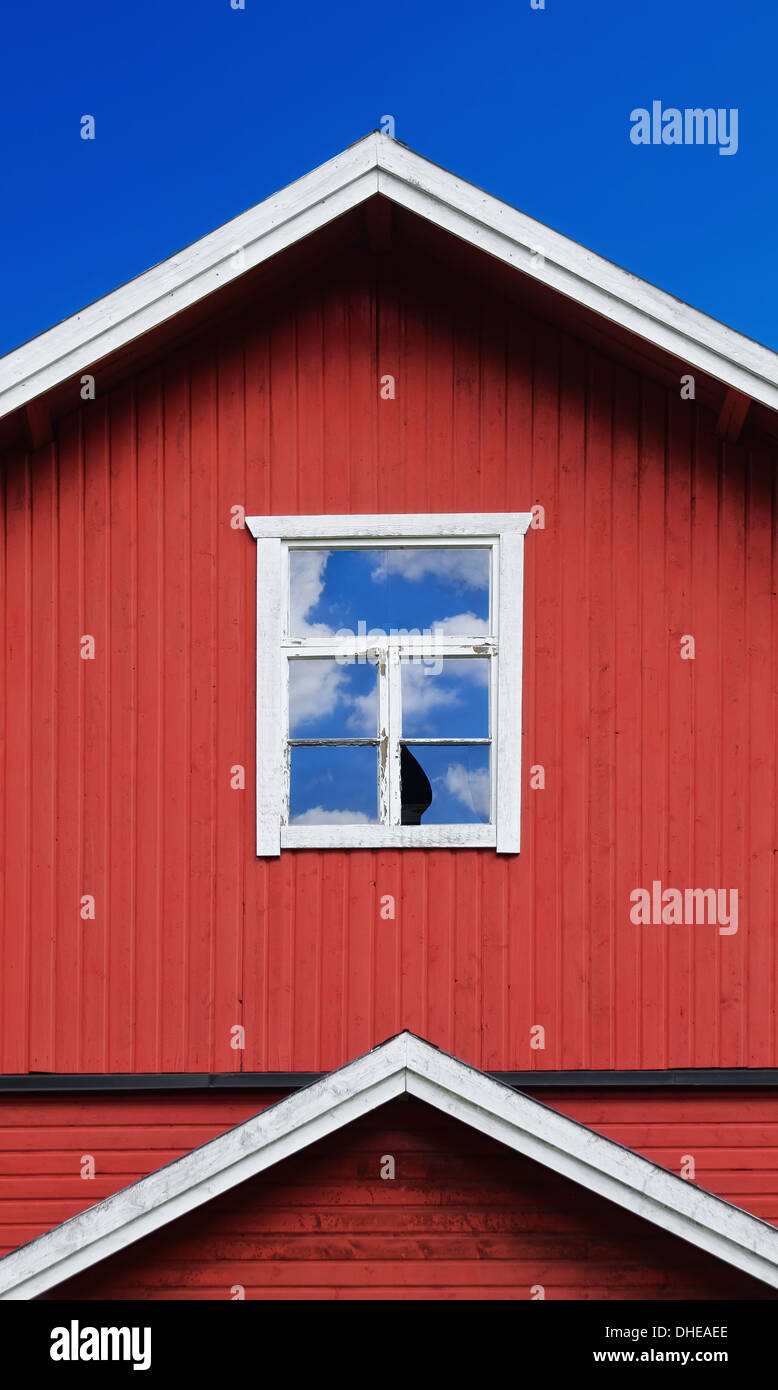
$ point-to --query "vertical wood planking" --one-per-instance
(655, 659)
(706, 717)
(568, 1035)
(628, 873)
(520, 485)
(759, 762)
(492, 920)
(175, 675)
(258, 916)
(17, 924)
(603, 919)
(151, 1017)
(117, 771)
(43, 761)
(730, 868)
(468, 1014)
(68, 929)
(202, 944)
(680, 939)
(92, 998)
(233, 611)
(119, 908)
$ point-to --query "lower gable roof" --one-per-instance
(403, 1065)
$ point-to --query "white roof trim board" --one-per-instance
(403, 1065)
(378, 164)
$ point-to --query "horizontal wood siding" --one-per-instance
(462, 1218)
(116, 772)
(43, 1144)
(732, 1138)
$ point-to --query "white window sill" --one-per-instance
(388, 836)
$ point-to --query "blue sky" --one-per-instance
(202, 111)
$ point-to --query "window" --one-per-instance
(389, 681)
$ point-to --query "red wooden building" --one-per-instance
(388, 653)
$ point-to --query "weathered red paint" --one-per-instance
(462, 1217)
(44, 1141)
(733, 1139)
(116, 772)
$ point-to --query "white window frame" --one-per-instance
(503, 534)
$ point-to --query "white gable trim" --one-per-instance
(404, 1064)
(378, 164)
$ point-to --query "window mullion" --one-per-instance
(383, 737)
(287, 750)
(395, 733)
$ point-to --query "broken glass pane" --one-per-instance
(416, 791)
(330, 699)
(458, 779)
(334, 786)
(390, 591)
(446, 698)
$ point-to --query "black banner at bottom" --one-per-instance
(110, 1341)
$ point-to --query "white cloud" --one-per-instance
(306, 583)
(427, 689)
(423, 691)
(464, 568)
(318, 816)
(471, 788)
(363, 718)
(315, 687)
(461, 625)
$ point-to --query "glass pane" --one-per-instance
(394, 590)
(334, 786)
(454, 781)
(328, 699)
(446, 698)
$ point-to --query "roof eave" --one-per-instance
(378, 164)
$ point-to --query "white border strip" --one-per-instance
(269, 713)
(509, 692)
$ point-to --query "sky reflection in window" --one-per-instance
(334, 786)
(459, 778)
(328, 699)
(446, 699)
(398, 588)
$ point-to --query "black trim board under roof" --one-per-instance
(77, 1083)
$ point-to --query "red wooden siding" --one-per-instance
(731, 1135)
(116, 772)
(462, 1218)
(43, 1142)
(733, 1139)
